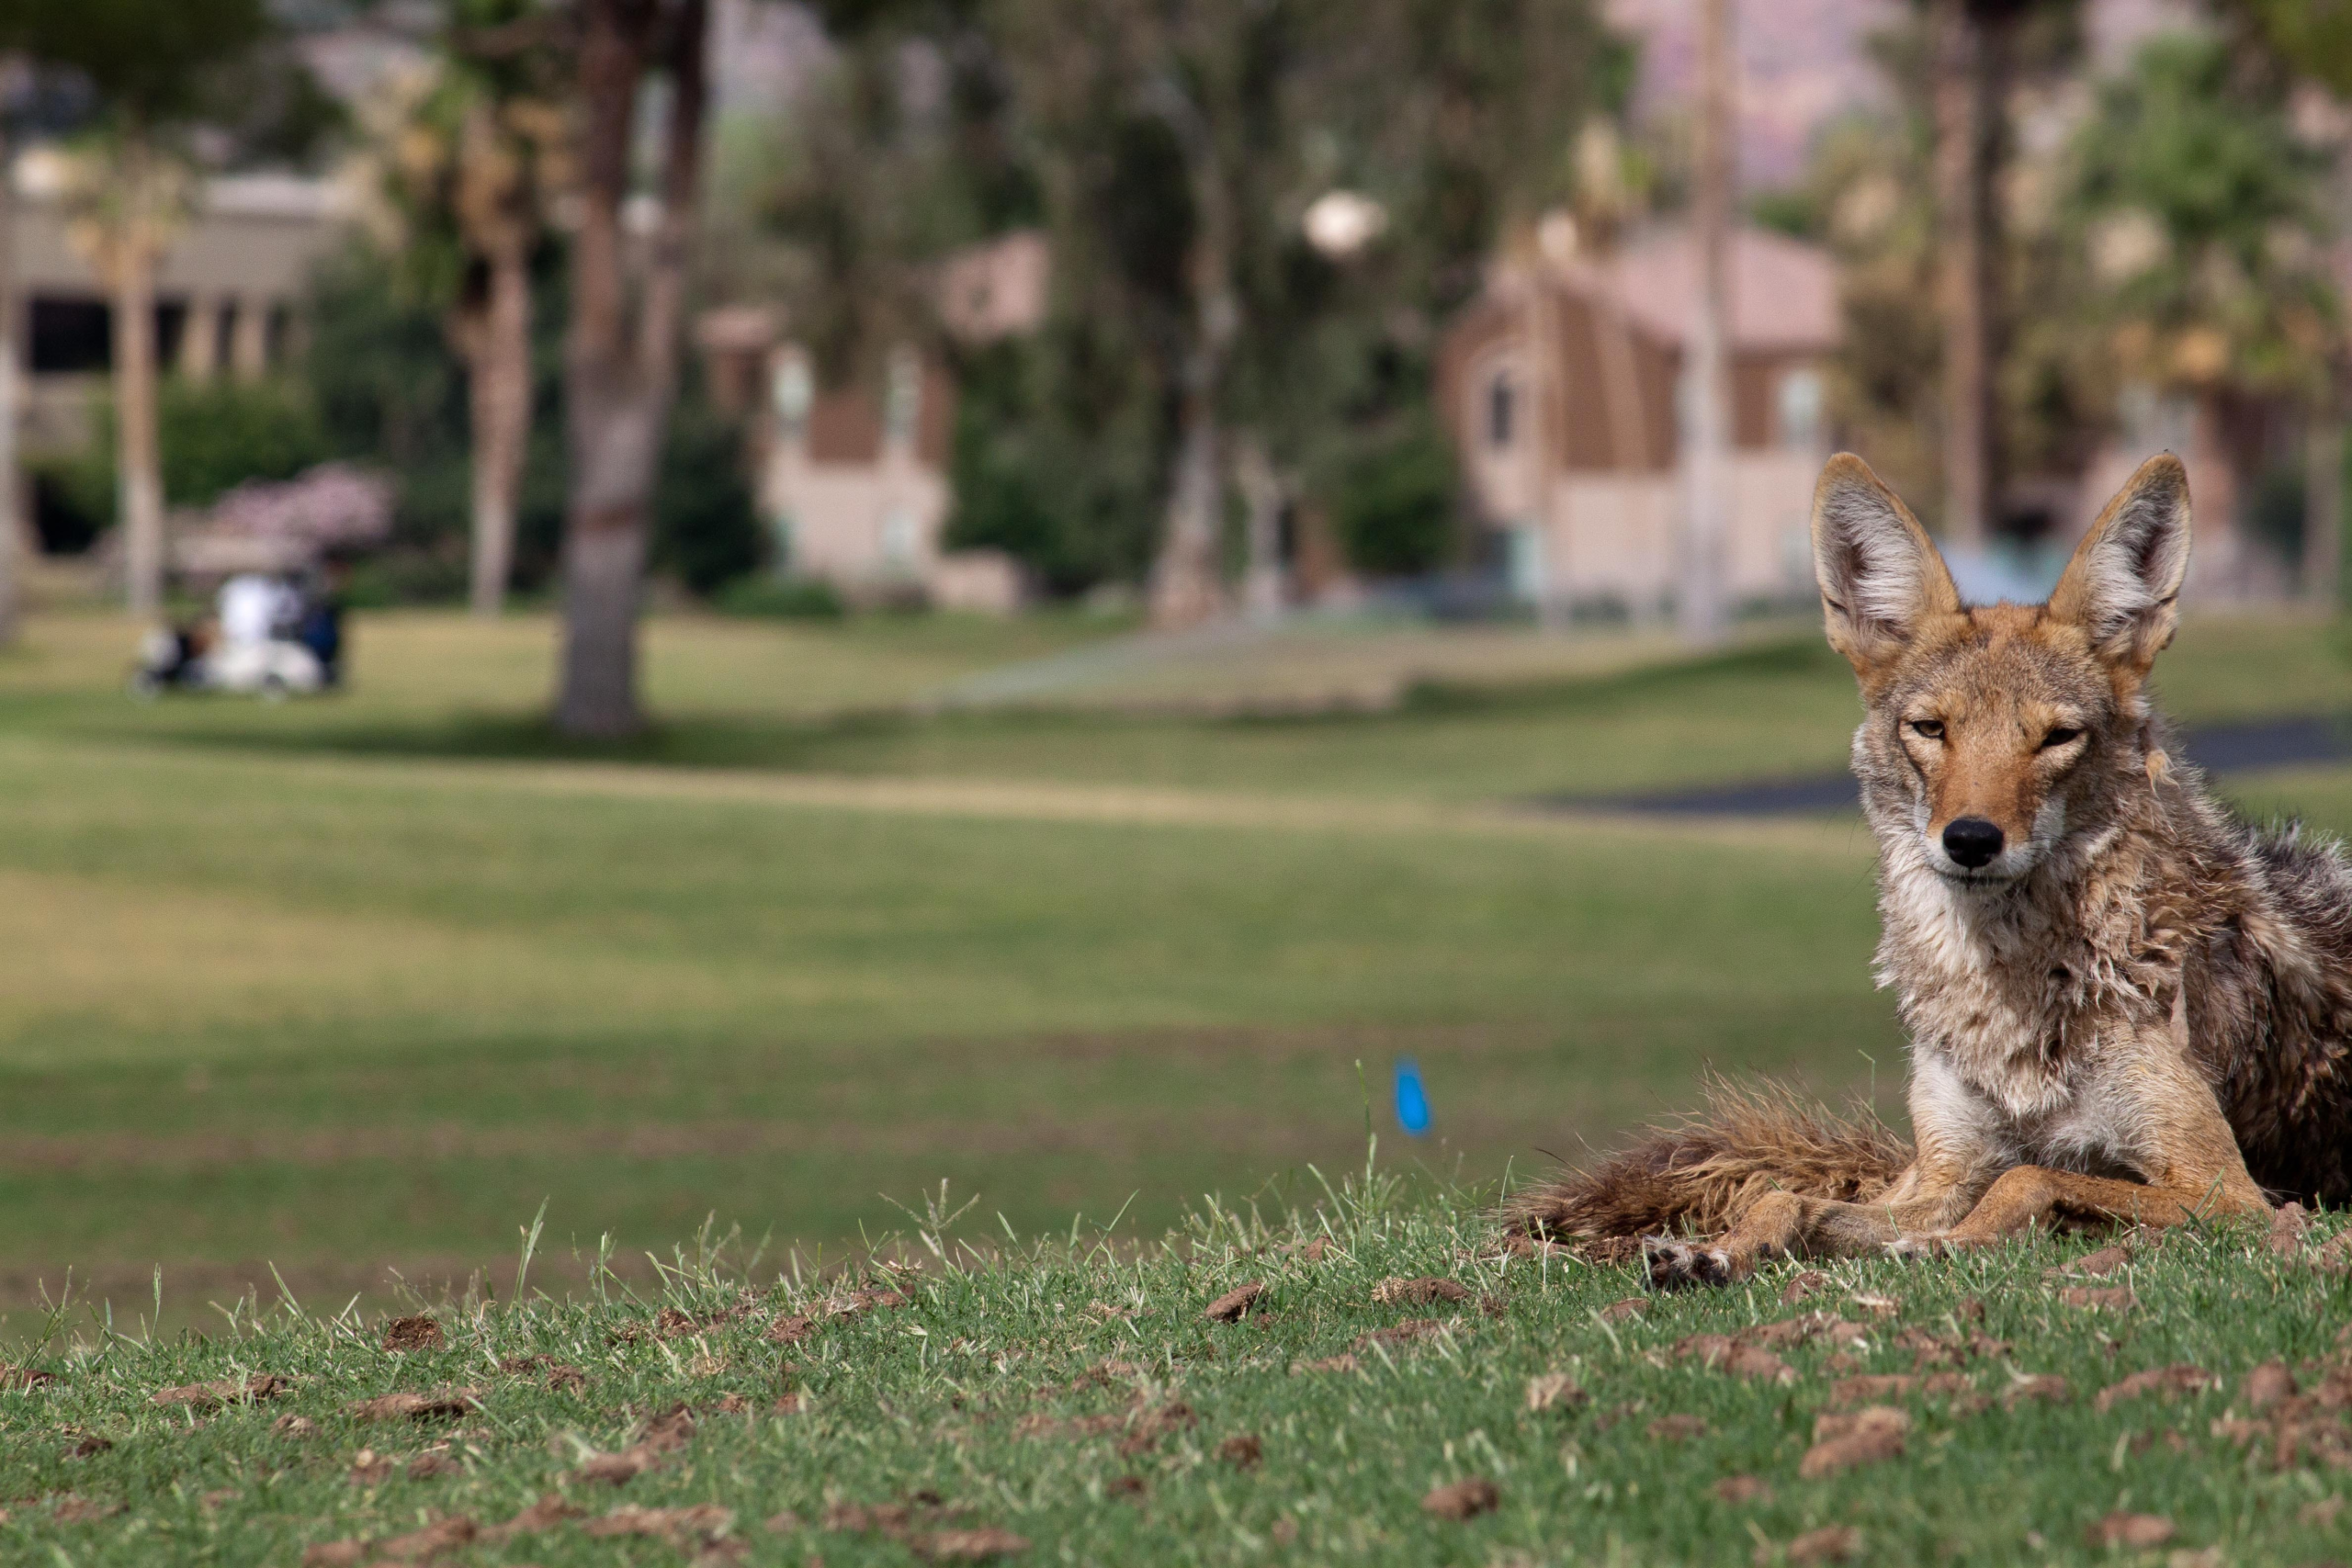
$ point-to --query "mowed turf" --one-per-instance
(358, 983)
(1392, 1388)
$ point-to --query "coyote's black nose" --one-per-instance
(1971, 841)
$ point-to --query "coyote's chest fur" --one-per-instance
(2032, 1005)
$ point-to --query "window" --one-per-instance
(70, 336)
(1800, 410)
(1499, 409)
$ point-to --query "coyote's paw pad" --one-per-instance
(1674, 1265)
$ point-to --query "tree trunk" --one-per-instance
(1707, 469)
(1261, 491)
(1965, 113)
(2323, 511)
(1184, 586)
(617, 382)
(500, 393)
(138, 465)
(11, 521)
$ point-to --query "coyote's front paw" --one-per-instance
(1674, 1265)
(1919, 1248)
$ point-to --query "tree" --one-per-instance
(621, 353)
(1182, 142)
(149, 62)
(480, 156)
(2202, 214)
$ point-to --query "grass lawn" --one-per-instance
(345, 984)
(1070, 1400)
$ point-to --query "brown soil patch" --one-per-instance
(420, 1331)
(203, 1396)
(1617, 1312)
(1841, 1442)
(1243, 1452)
(549, 1511)
(2115, 1298)
(1677, 1429)
(2093, 1266)
(1741, 1489)
(2136, 1531)
(1830, 1543)
(1465, 1499)
(2179, 1379)
(1404, 1333)
(1807, 1284)
(704, 1522)
(450, 1401)
(1234, 1305)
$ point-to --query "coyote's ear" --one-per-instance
(1881, 577)
(2123, 585)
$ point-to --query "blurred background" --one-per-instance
(736, 608)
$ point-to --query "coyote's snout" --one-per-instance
(2123, 1004)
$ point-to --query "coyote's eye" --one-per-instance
(2058, 737)
(1928, 728)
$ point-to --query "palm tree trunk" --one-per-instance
(1966, 106)
(618, 384)
(11, 523)
(137, 464)
(500, 393)
(1262, 492)
(1698, 606)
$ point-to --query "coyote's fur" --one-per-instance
(2124, 1003)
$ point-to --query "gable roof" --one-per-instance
(1783, 292)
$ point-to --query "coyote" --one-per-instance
(2123, 1004)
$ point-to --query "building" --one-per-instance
(853, 479)
(1561, 386)
(227, 293)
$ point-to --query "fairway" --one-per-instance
(353, 986)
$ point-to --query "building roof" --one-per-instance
(1783, 292)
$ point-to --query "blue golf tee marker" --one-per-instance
(1412, 1099)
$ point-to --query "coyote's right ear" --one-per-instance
(1881, 577)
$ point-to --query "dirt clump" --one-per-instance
(2181, 1378)
(1243, 1452)
(446, 1402)
(202, 1397)
(420, 1331)
(1465, 1499)
(2090, 1298)
(1234, 1305)
(2135, 1532)
(1842, 1443)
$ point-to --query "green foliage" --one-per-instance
(214, 435)
(390, 392)
(2203, 215)
(1395, 504)
(1055, 459)
(705, 529)
(792, 599)
(147, 59)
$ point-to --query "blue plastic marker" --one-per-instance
(1412, 1099)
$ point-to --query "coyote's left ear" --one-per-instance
(2123, 585)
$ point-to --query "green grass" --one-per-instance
(1071, 1394)
(343, 986)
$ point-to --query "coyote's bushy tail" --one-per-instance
(1700, 1174)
